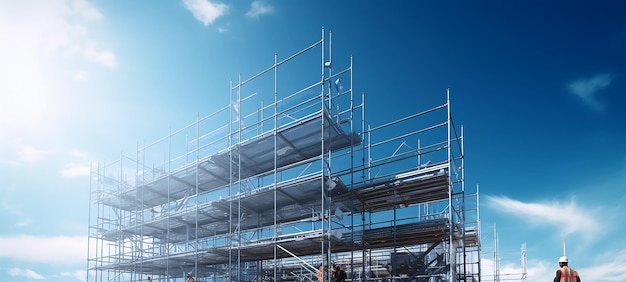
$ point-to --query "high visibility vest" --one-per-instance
(568, 274)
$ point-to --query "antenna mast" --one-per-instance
(496, 259)
(524, 273)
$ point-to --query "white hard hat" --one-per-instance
(563, 259)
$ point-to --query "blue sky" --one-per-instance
(538, 85)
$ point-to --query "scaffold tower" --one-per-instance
(285, 182)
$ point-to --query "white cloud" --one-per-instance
(587, 89)
(86, 11)
(49, 250)
(80, 275)
(25, 153)
(38, 38)
(16, 214)
(79, 154)
(509, 270)
(538, 270)
(72, 171)
(80, 75)
(205, 11)
(11, 209)
(24, 222)
(26, 273)
(613, 262)
(29, 154)
(579, 220)
(104, 57)
(258, 8)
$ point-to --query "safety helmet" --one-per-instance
(563, 259)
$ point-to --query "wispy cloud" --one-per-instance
(51, 28)
(26, 273)
(16, 213)
(80, 75)
(15, 210)
(537, 270)
(75, 170)
(223, 28)
(580, 220)
(258, 8)
(29, 154)
(43, 36)
(80, 275)
(24, 222)
(86, 11)
(205, 11)
(50, 250)
(613, 262)
(588, 88)
(18, 153)
(23, 153)
(79, 155)
(11, 209)
(100, 56)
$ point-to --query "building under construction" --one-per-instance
(285, 181)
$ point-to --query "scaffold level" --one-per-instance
(279, 187)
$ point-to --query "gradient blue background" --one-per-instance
(538, 85)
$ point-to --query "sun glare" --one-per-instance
(23, 94)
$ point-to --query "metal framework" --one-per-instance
(280, 190)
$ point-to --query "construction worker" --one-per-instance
(338, 274)
(321, 274)
(565, 273)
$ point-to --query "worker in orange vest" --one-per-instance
(565, 273)
(322, 276)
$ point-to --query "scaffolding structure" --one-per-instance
(282, 190)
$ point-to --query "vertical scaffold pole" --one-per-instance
(324, 258)
(451, 251)
(275, 167)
